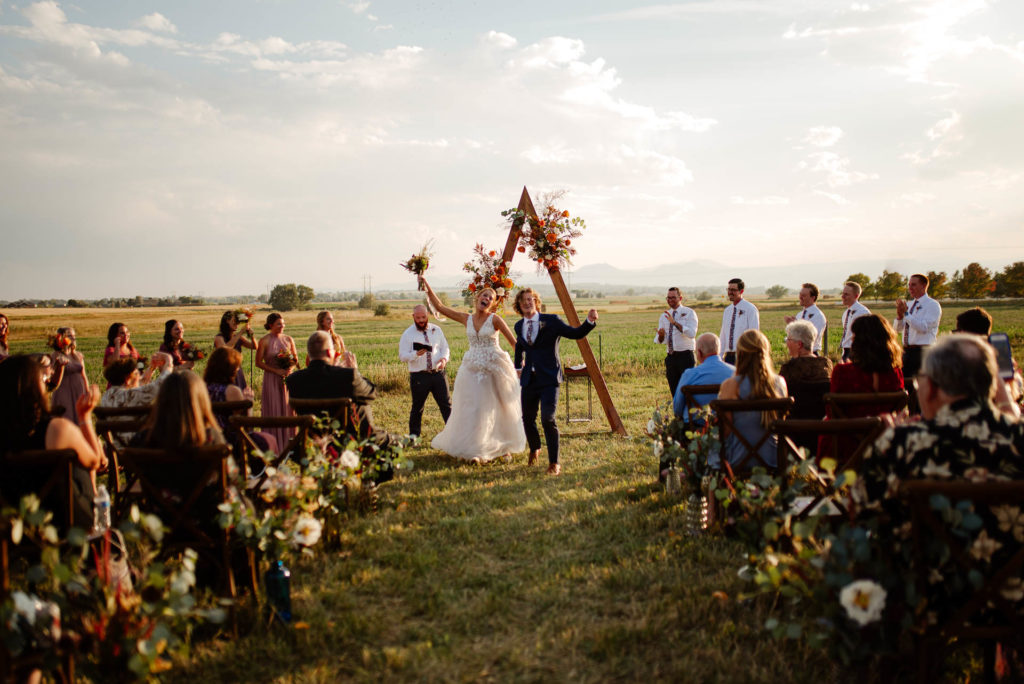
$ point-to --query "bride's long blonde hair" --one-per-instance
(754, 361)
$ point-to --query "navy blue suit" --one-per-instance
(541, 375)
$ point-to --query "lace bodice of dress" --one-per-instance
(484, 352)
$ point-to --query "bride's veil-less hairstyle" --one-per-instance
(494, 298)
(754, 361)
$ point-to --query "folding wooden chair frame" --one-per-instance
(839, 402)
(868, 429)
(297, 444)
(724, 410)
(62, 465)
(917, 493)
(690, 393)
(342, 409)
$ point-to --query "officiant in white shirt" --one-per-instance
(677, 328)
(424, 349)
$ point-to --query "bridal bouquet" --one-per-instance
(419, 263)
(487, 269)
(547, 237)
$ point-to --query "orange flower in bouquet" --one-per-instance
(420, 262)
(285, 360)
(190, 353)
(547, 237)
(487, 269)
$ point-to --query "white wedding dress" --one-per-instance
(487, 419)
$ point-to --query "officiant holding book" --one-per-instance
(424, 349)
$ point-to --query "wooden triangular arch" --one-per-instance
(593, 370)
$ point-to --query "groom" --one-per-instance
(541, 372)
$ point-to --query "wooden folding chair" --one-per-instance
(861, 404)
(49, 473)
(988, 616)
(296, 446)
(862, 432)
(112, 431)
(342, 409)
(726, 409)
(184, 487)
(690, 394)
(231, 408)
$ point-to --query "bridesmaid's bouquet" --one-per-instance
(285, 360)
(190, 353)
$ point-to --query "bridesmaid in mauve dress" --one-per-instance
(275, 393)
(69, 367)
(119, 344)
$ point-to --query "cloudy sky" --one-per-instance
(198, 147)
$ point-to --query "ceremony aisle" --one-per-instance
(501, 573)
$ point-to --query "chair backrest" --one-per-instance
(228, 408)
(691, 392)
(989, 613)
(846, 439)
(726, 409)
(49, 473)
(103, 412)
(862, 404)
(342, 409)
(296, 446)
(808, 399)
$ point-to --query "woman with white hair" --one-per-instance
(803, 366)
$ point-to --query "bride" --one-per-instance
(487, 418)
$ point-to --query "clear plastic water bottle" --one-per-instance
(101, 510)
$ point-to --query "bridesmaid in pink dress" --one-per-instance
(69, 367)
(269, 355)
(119, 345)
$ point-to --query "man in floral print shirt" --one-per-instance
(962, 435)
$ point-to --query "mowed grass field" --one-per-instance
(500, 573)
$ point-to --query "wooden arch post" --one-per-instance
(593, 370)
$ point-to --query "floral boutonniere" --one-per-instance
(739, 312)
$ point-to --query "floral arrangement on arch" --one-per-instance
(547, 237)
(487, 269)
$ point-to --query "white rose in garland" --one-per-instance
(863, 600)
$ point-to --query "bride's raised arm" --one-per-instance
(451, 313)
(502, 327)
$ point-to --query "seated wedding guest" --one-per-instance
(69, 376)
(221, 370)
(175, 345)
(977, 321)
(26, 424)
(875, 366)
(806, 375)
(811, 313)
(754, 379)
(710, 370)
(325, 380)
(127, 387)
(181, 417)
(229, 335)
(119, 345)
(4, 329)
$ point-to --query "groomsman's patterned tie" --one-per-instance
(906, 324)
(732, 330)
(529, 331)
(846, 319)
(671, 325)
(430, 363)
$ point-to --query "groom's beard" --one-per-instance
(421, 327)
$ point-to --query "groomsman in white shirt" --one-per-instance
(854, 310)
(809, 300)
(737, 318)
(424, 349)
(677, 328)
(917, 323)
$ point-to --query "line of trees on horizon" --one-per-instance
(973, 282)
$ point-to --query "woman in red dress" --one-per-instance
(875, 364)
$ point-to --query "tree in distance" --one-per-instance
(777, 291)
(938, 285)
(1010, 281)
(366, 301)
(890, 285)
(974, 282)
(290, 296)
(866, 287)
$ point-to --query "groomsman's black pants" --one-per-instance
(912, 357)
(423, 384)
(729, 358)
(675, 364)
(545, 397)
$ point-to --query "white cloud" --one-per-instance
(947, 134)
(823, 136)
(158, 22)
(766, 201)
(835, 169)
(913, 199)
(500, 40)
(359, 7)
(834, 197)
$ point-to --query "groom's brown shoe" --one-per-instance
(532, 458)
(554, 469)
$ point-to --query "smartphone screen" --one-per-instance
(1004, 355)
